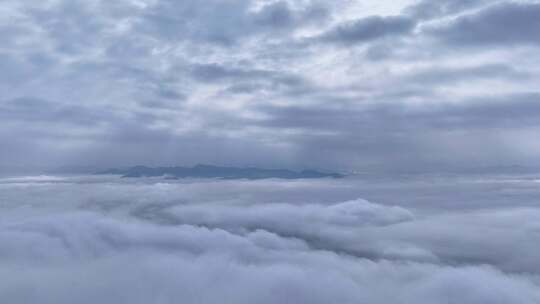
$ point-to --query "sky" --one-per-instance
(341, 85)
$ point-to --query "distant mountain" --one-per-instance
(209, 171)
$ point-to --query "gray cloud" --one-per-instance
(126, 79)
(505, 24)
(369, 29)
(384, 124)
(477, 113)
(244, 76)
(225, 23)
(433, 9)
(37, 110)
(483, 72)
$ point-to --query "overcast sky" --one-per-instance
(306, 83)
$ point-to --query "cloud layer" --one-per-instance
(318, 84)
(109, 240)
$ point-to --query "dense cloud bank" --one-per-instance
(108, 240)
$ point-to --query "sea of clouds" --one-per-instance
(103, 239)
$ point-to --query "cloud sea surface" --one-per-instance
(103, 239)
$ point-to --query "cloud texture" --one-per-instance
(271, 83)
(107, 240)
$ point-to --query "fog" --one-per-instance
(105, 239)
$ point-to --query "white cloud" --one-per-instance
(87, 259)
(110, 240)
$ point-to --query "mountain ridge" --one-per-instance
(211, 171)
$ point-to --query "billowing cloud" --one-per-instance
(100, 238)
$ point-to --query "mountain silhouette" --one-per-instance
(209, 171)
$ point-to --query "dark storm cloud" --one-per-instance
(369, 29)
(505, 24)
